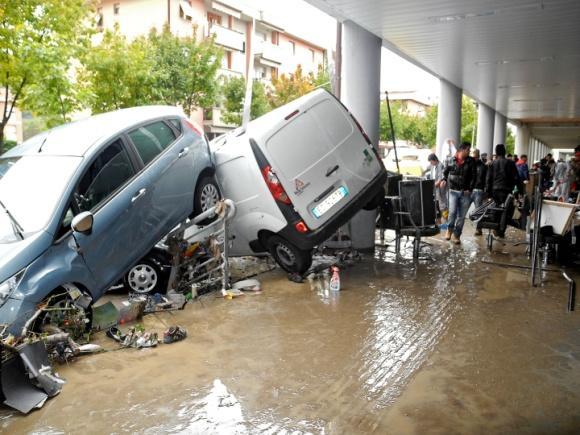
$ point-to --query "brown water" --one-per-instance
(450, 345)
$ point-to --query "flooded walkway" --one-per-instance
(450, 345)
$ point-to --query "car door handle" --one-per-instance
(183, 152)
(139, 195)
(332, 171)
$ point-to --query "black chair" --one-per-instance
(405, 226)
(496, 218)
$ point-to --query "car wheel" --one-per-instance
(145, 277)
(289, 257)
(207, 195)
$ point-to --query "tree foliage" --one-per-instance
(39, 39)
(158, 69)
(288, 87)
(234, 93)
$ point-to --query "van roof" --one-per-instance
(76, 138)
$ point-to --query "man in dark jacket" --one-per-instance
(459, 175)
(502, 176)
(479, 185)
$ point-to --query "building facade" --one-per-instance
(231, 23)
(13, 129)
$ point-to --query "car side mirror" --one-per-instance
(83, 223)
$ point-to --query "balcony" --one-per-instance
(269, 54)
(213, 119)
(227, 38)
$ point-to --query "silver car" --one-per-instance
(81, 203)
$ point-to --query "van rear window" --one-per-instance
(299, 144)
(335, 121)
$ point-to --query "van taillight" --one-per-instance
(361, 129)
(192, 127)
(301, 227)
(275, 186)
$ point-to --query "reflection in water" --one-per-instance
(219, 412)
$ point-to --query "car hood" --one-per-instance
(17, 255)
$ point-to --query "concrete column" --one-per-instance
(360, 92)
(448, 117)
(523, 141)
(499, 129)
(485, 123)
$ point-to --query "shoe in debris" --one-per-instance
(173, 334)
(455, 239)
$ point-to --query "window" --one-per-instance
(116, 8)
(66, 222)
(100, 18)
(312, 55)
(150, 140)
(292, 47)
(176, 123)
(104, 177)
(214, 18)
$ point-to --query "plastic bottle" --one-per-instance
(335, 280)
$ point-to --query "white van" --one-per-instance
(296, 175)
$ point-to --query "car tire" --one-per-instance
(145, 277)
(377, 200)
(289, 257)
(51, 317)
(207, 194)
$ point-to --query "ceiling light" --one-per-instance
(537, 100)
(511, 61)
(486, 13)
(530, 85)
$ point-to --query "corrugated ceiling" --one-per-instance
(521, 57)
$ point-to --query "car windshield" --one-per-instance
(30, 188)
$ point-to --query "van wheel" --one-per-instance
(207, 195)
(289, 257)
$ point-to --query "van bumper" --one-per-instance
(310, 240)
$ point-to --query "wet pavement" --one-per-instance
(448, 345)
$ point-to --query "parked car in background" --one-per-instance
(296, 175)
(412, 161)
(81, 203)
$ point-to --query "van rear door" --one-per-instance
(322, 159)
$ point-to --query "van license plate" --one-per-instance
(330, 200)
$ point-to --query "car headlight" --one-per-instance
(8, 286)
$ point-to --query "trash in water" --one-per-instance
(335, 280)
(27, 379)
(89, 348)
(231, 294)
(174, 334)
(105, 316)
(135, 337)
(249, 286)
(132, 310)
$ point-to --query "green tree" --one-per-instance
(322, 78)
(117, 73)
(288, 87)
(234, 93)
(407, 127)
(39, 39)
(185, 70)
(510, 141)
(159, 69)
(468, 119)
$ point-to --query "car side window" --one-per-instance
(151, 139)
(109, 171)
(177, 124)
(66, 222)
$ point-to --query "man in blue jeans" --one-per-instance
(460, 176)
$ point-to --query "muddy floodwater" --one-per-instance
(449, 345)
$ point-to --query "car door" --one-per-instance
(120, 199)
(168, 158)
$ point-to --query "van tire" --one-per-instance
(207, 194)
(377, 200)
(289, 257)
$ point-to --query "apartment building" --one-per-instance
(275, 51)
(412, 102)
